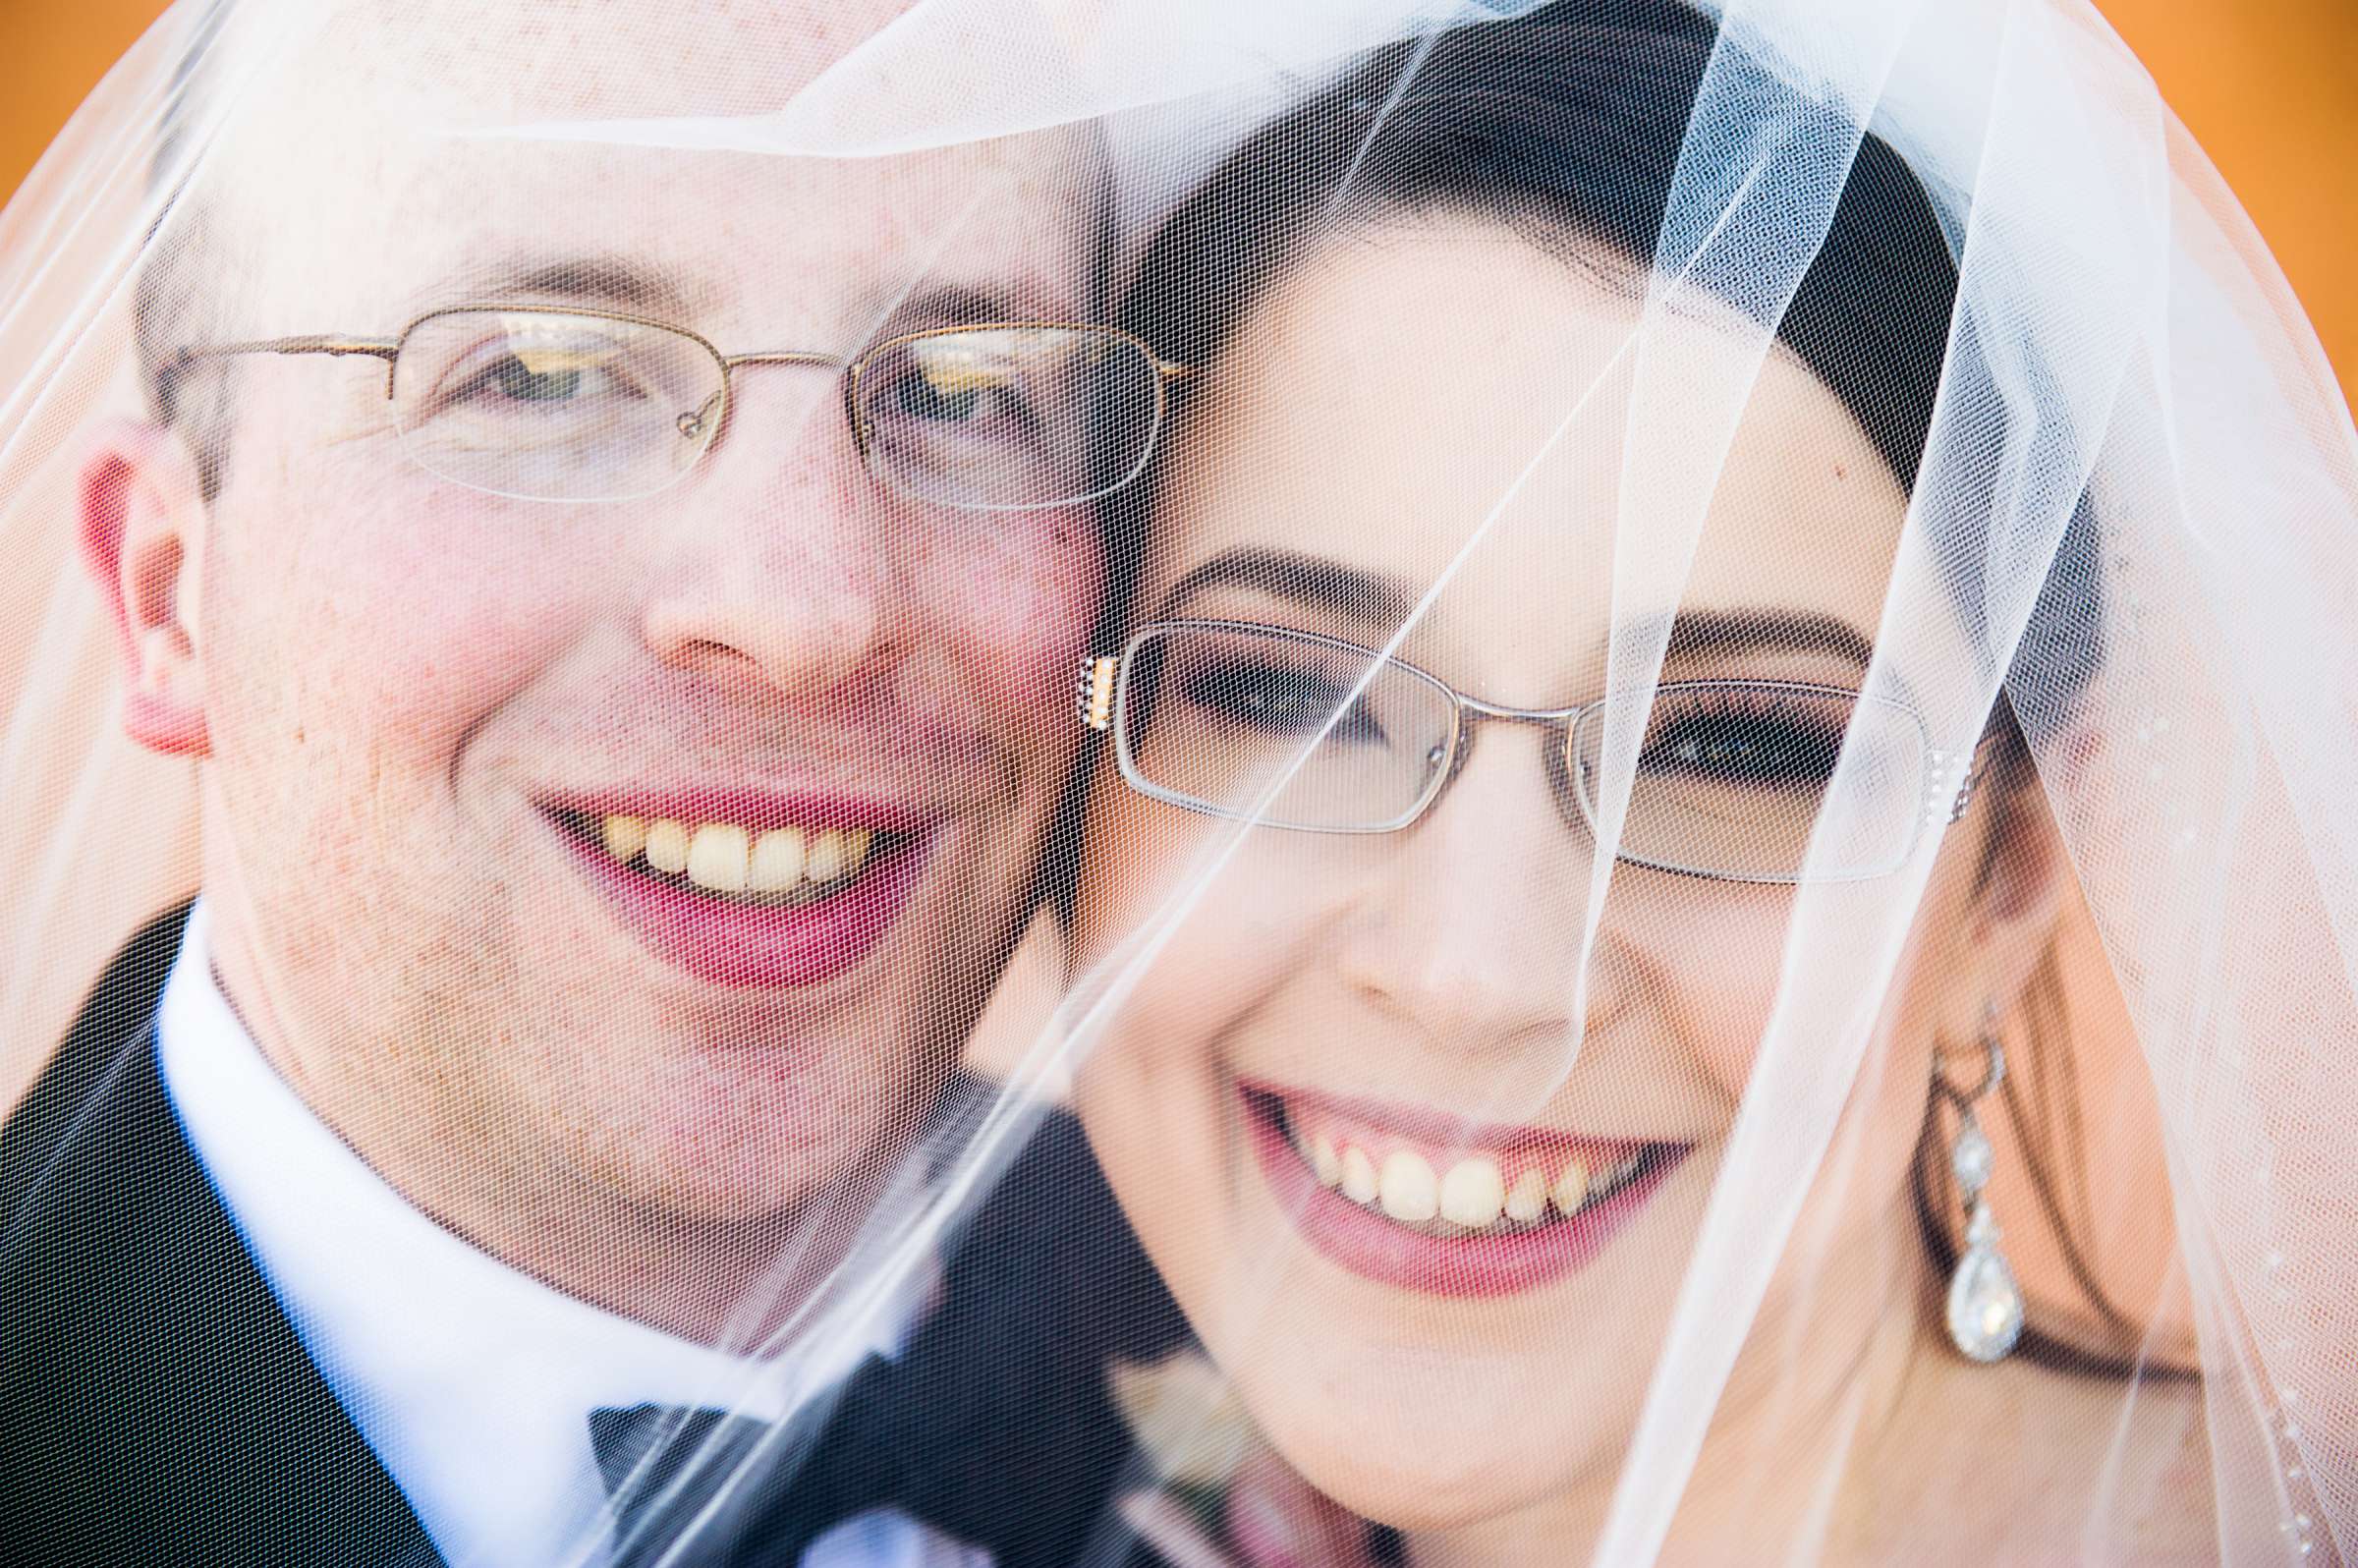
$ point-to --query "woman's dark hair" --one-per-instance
(1566, 126)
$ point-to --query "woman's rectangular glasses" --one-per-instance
(1294, 730)
(576, 405)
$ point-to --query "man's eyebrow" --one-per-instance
(621, 282)
(1698, 633)
(956, 304)
(643, 288)
(1316, 580)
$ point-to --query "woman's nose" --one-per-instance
(1471, 933)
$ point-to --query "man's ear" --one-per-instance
(141, 525)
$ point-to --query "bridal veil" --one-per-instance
(2110, 610)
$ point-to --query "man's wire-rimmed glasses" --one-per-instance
(561, 404)
(1291, 729)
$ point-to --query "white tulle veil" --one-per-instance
(2129, 550)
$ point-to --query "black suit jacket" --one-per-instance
(156, 1405)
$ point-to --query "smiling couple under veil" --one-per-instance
(1003, 783)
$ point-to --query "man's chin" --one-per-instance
(723, 1058)
(757, 1155)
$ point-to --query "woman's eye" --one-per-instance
(1276, 701)
(1745, 747)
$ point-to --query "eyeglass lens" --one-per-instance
(1008, 416)
(556, 405)
(1732, 777)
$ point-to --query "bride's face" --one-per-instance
(1348, 1028)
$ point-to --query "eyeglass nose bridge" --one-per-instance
(1471, 713)
(696, 421)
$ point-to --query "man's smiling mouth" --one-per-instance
(770, 868)
(746, 888)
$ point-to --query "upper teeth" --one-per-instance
(730, 857)
(1471, 1194)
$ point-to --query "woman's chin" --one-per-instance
(1374, 1435)
(1407, 1485)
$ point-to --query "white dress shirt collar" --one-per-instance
(471, 1380)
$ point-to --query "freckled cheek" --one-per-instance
(435, 686)
(1016, 614)
(414, 620)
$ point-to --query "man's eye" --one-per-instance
(955, 394)
(516, 380)
(951, 400)
(545, 381)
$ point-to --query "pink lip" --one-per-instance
(1442, 1130)
(746, 945)
(1374, 1247)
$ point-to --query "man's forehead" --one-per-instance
(517, 59)
(871, 289)
(387, 179)
(715, 237)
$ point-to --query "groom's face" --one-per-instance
(481, 765)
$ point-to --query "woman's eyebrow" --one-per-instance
(1696, 632)
(1381, 599)
(1316, 580)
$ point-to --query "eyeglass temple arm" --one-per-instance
(168, 373)
(380, 348)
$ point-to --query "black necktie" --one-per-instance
(666, 1466)
(993, 1425)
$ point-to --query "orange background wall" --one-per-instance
(2269, 87)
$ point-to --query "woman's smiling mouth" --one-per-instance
(751, 890)
(1416, 1200)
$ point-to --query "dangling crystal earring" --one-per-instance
(1985, 1303)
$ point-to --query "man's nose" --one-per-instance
(1471, 933)
(777, 568)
